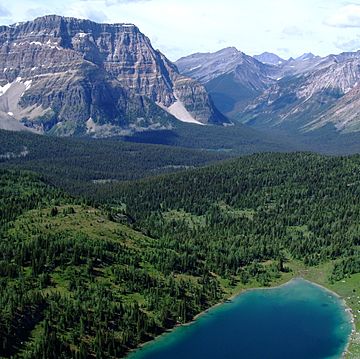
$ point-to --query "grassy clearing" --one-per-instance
(236, 213)
(191, 220)
(296, 231)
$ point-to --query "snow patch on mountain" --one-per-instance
(178, 110)
(3, 89)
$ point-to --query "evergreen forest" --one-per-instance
(97, 260)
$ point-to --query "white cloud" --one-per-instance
(4, 12)
(113, 2)
(84, 10)
(346, 16)
(181, 27)
(94, 15)
(36, 12)
(348, 45)
(292, 31)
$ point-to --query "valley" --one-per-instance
(300, 98)
(200, 235)
(136, 193)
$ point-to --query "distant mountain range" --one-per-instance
(295, 95)
(72, 77)
(269, 58)
(67, 76)
(232, 78)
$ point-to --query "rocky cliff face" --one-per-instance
(308, 100)
(298, 95)
(344, 114)
(206, 67)
(230, 76)
(71, 77)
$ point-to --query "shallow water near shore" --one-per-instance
(297, 320)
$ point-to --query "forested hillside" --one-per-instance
(252, 209)
(76, 164)
(236, 138)
(75, 283)
(81, 281)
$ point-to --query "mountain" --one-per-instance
(307, 100)
(306, 56)
(293, 97)
(74, 77)
(269, 58)
(231, 77)
(344, 114)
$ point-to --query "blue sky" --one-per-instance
(180, 27)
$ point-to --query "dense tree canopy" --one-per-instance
(79, 281)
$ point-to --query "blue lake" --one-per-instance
(298, 320)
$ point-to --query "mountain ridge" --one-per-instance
(298, 95)
(70, 76)
(269, 58)
(229, 75)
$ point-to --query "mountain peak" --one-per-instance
(269, 58)
(69, 19)
(73, 76)
(306, 56)
(200, 65)
(228, 50)
(72, 23)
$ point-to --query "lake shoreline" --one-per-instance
(242, 291)
(348, 310)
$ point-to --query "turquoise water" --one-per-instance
(298, 320)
